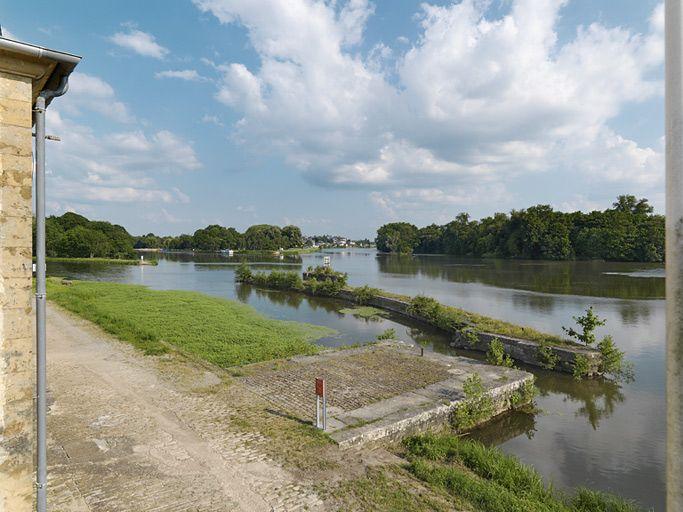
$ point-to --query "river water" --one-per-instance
(595, 434)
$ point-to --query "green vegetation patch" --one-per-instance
(451, 319)
(101, 261)
(223, 332)
(385, 489)
(363, 312)
(492, 481)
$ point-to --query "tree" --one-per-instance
(291, 237)
(263, 237)
(400, 237)
(216, 238)
(588, 323)
(430, 240)
(82, 242)
(73, 235)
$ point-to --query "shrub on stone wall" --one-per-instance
(496, 354)
(364, 294)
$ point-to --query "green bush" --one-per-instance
(323, 273)
(277, 280)
(496, 354)
(284, 280)
(424, 307)
(612, 362)
(581, 367)
(431, 311)
(243, 274)
(546, 355)
(524, 396)
(477, 406)
(326, 288)
(364, 294)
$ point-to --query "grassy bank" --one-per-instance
(107, 261)
(491, 481)
(301, 250)
(223, 332)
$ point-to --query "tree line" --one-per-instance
(74, 236)
(629, 231)
(261, 237)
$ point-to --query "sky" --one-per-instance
(341, 115)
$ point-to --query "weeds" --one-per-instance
(364, 294)
(477, 407)
(496, 354)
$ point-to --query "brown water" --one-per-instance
(596, 434)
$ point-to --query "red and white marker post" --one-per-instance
(320, 399)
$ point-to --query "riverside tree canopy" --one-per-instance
(629, 231)
(75, 236)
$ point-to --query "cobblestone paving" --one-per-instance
(354, 378)
(131, 433)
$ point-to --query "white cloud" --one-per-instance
(475, 102)
(90, 166)
(190, 75)
(142, 43)
(94, 94)
(210, 119)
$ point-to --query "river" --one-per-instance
(595, 434)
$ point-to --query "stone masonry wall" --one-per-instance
(16, 332)
(521, 350)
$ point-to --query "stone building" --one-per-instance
(25, 71)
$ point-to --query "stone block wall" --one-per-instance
(520, 350)
(17, 371)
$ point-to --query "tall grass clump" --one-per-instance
(492, 481)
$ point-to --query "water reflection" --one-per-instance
(597, 398)
(592, 278)
(506, 427)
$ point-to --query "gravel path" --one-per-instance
(135, 433)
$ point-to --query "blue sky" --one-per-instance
(339, 116)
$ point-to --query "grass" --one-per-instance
(363, 312)
(108, 261)
(492, 481)
(386, 490)
(301, 250)
(223, 332)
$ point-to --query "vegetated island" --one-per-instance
(629, 231)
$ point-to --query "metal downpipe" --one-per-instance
(41, 298)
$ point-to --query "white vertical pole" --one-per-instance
(674, 255)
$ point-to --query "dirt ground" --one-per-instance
(129, 432)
